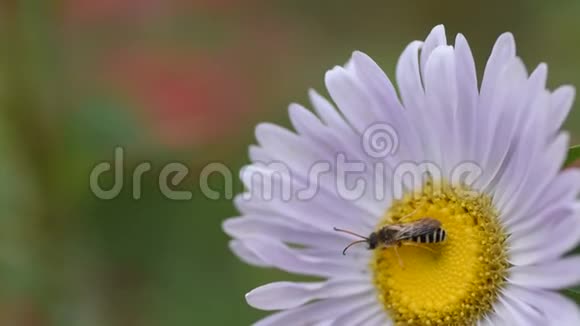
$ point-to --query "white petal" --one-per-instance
(467, 94)
(304, 121)
(413, 97)
(317, 311)
(538, 218)
(525, 234)
(328, 142)
(295, 153)
(539, 177)
(558, 239)
(293, 261)
(380, 319)
(441, 94)
(558, 274)
(246, 255)
(512, 314)
(561, 102)
(283, 229)
(499, 126)
(258, 154)
(324, 323)
(558, 195)
(504, 50)
(287, 295)
(499, 316)
(293, 156)
(556, 309)
(523, 309)
(327, 112)
(301, 156)
(409, 77)
(392, 112)
(435, 39)
(277, 192)
(374, 78)
(360, 316)
(350, 97)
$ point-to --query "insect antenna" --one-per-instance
(350, 245)
(365, 239)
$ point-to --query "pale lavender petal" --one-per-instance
(324, 323)
(525, 234)
(319, 311)
(380, 319)
(287, 295)
(246, 255)
(360, 316)
(274, 191)
(498, 127)
(555, 308)
(558, 239)
(304, 121)
(283, 229)
(503, 52)
(513, 314)
(258, 154)
(521, 309)
(375, 78)
(539, 176)
(328, 113)
(435, 39)
(293, 261)
(467, 97)
(351, 98)
(561, 191)
(409, 77)
(441, 94)
(392, 112)
(561, 102)
(539, 219)
(561, 273)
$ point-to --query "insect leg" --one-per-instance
(410, 214)
(398, 257)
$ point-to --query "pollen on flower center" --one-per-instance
(458, 282)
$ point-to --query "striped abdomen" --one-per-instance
(438, 235)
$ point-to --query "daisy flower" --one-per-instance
(507, 227)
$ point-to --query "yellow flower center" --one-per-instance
(457, 281)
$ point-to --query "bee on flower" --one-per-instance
(507, 233)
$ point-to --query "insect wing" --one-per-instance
(418, 228)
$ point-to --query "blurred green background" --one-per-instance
(182, 81)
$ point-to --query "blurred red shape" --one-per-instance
(185, 98)
(22, 312)
(89, 11)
